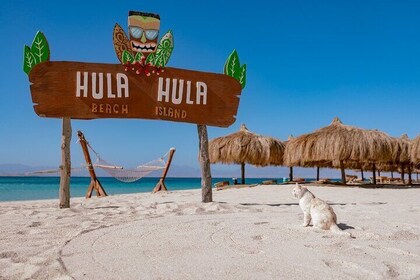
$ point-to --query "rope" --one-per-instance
(129, 175)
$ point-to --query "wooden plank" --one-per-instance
(64, 193)
(91, 90)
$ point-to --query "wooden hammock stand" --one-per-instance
(96, 185)
(160, 186)
(94, 182)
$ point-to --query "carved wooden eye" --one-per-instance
(136, 32)
(151, 34)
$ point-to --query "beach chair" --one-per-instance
(383, 179)
(350, 179)
(324, 181)
(269, 182)
(221, 184)
(298, 180)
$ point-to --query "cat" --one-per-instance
(317, 210)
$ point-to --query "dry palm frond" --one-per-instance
(338, 143)
(246, 147)
(415, 151)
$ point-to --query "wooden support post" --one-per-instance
(243, 173)
(206, 191)
(291, 173)
(343, 172)
(410, 181)
(160, 186)
(363, 176)
(392, 174)
(317, 173)
(64, 193)
(402, 173)
(94, 182)
(374, 173)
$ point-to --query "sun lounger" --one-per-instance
(269, 182)
(221, 184)
(350, 179)
(324, 181)
(225, 187)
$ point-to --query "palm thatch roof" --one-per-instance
(401, 150)
(245, 146)
(338, 143)
(415, 151)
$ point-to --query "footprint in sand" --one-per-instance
(392, 270)
(352, 269)
(34, 224)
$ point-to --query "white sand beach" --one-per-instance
(249, 233)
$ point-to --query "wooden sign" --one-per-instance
(142, 87)
(89, 90)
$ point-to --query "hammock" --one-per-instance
(129, 175)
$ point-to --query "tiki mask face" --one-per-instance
(144, 32)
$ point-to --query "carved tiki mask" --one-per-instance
(144, 31)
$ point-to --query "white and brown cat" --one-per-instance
(317, 210)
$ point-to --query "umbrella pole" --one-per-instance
(374, 173)
(402, 173)
(317, 173)
(291, 173)
(363, 177)
(409, 175)
(392, 174)
(243, 173)
(343, 172)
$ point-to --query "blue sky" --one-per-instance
(308, 61)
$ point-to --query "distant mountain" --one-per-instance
(21, 169)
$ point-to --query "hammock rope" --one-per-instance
(128, 175)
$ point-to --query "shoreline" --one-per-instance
(244, 233)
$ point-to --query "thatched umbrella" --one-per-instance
(337, 144)
(401, 155)
(415, 153)
(245, 147)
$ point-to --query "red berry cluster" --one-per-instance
(141, 67)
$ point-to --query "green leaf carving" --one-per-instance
(40, 48)
(29, 60)
(232, 65)
(242, 76)
(138, 56)
(234, 69)
(37, 53)
(150, 59)
(127, 57)
(164, 50)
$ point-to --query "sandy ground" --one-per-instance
(249, 233)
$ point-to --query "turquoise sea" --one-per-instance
(33, 188)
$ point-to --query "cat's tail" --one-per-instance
(334, 228)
